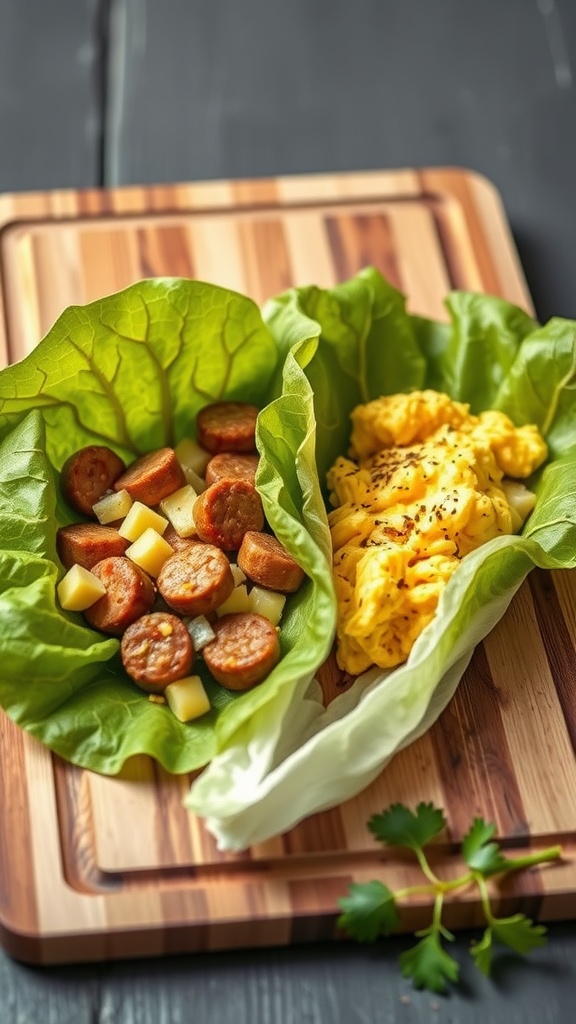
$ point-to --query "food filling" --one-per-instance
(426, 482)
(185, 538)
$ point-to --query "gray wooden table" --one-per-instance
(110, 92)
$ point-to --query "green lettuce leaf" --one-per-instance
(491, 355)
(366, 346)
(131, 371)
(470, 357)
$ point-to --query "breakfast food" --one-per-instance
(88, 543)
(226, 511)
(305, 360)
(232, 466)
(129, 594)
(424, 485)
(176, 541)
(173, 546)
(227, 427)
(152, 477)
(157, 650)
(244, 650)
(266, 561)
(197, 580)
(89, 473)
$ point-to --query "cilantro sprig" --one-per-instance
(370, 909)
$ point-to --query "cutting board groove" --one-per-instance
(95, 868)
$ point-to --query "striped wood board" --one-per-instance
(95, 868)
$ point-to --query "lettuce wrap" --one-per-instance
(362, 343)
(131, 371)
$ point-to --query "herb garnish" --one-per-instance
(370, 908)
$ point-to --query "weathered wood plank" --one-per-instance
(50, 93)
(264, 87)
(319, 983)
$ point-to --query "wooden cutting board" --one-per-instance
(95, 868)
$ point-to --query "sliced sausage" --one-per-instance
(246, 648)
(129, 594)
(225, 511)
(231, 466)
(156, 650)
(88, 474)
(88, 543)
(152, 477)
(196, 581)
(227, 427)
(266, 562)
(177, 542)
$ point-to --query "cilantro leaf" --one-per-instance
(479, 853)
(368, 911)
(482, 952)
(519, 933)
(429, 965)
(398, 826)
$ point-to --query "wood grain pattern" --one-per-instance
(77, 883)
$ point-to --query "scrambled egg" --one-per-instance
(426, 483)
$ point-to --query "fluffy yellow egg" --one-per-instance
(425, 483)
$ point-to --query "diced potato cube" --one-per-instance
(268, 603)
(178, 508)
(112, 506)
(79, 589)
(187, 698)
(139, 519)
(150, 551)
(238, 574)
(238, 601)
(195, 481)
(190, 455)
(200, 631)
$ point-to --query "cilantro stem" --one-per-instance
(425, 867)
(484, 897)
(437, 885)
(551, 853)
(437, 918)
(415, 890)
(371, 909)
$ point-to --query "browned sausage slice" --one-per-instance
(152, 477)
(246, 648)
(88, 474)
(88, 543)
(156, 650)
(129, 594)
(227, 427)
(196, 581)
(266, 562)
(225, 511)
(176, 542)
(231, 466)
